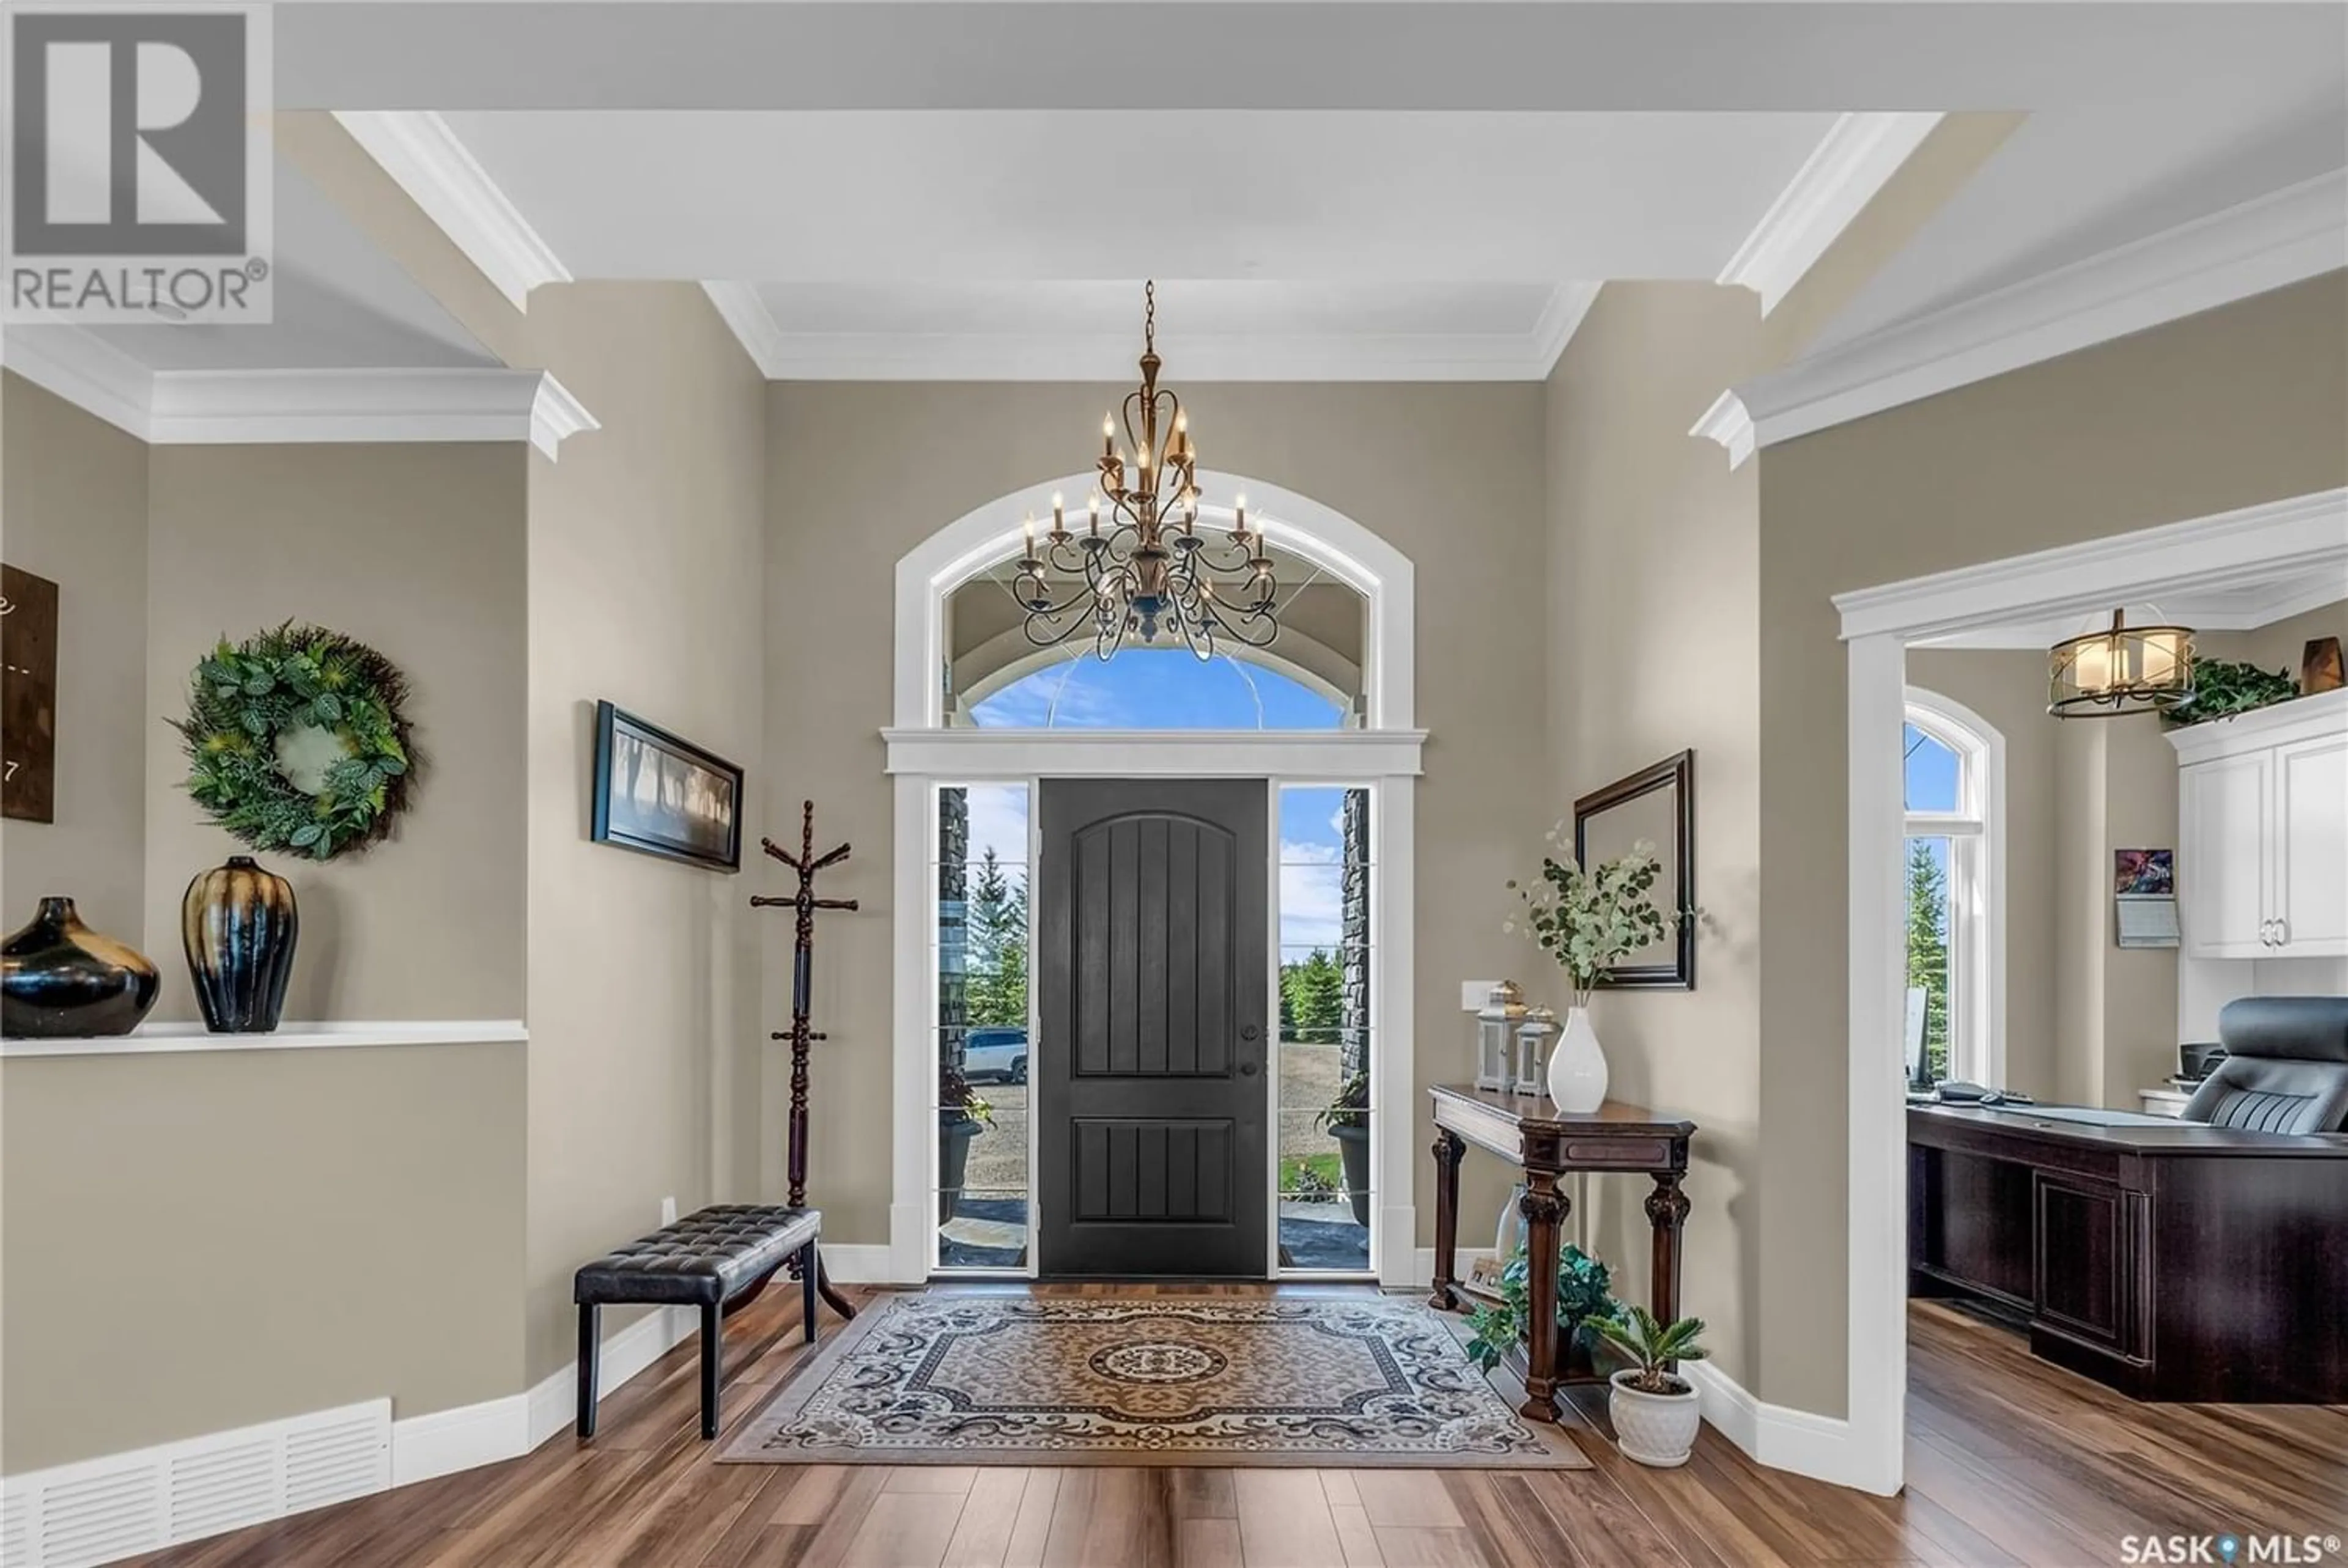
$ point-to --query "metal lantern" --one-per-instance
(1532, 1049)
(1496, 1021)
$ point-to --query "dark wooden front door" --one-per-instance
(1152, 984)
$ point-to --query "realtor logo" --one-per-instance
(138, 165)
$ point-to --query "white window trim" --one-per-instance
(1384, 755)
(1977, 882)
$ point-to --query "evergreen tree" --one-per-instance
(998, 944)
(1928, 950)
(1311, 1000)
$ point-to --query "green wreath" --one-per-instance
(296, 740)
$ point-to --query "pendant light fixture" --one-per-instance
(2125, 670)
(1147, 568)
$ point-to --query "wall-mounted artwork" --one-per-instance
(28, 693)
(1656, 807)
(662, 795)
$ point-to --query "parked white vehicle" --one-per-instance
(996, 1054)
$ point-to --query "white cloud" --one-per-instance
(1312, 894)
(998, 821)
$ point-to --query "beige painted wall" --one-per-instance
(196, 1243)
(1651, 635)
(1450, 475)
(2008, 689)
(645, 588)
(417, 552)
(2221, 410)
(73, 508)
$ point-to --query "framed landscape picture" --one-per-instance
(662, 795)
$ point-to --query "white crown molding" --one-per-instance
(1728, 423)
(1084, 356)
(2280, 239)
(2303, 536)
(420, 152)
(1560, 320)
(83, 369)
(1858, 156)
(2245, 609)
(258, 407)
(743, 310)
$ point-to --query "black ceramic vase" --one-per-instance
(61, 980)
(240, 925)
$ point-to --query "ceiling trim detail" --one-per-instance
(1728, 423)
(2292, 234)
(259, 407)
(1081, 356)
(420, 152)
(2245, 548)
(1841, 176)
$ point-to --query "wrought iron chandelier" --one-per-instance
(1148, 571)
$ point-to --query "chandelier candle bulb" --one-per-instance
(1059, 520)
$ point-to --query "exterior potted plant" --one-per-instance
(1588, 920)
(1655, 1413)
(962, 1116)
(1584, 1294)
(1347, 1119)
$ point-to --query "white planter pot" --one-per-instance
(1577, 1068)
(1656, 1429)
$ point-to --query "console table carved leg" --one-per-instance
(1667, 1212)
(1544, 1209)
(1449, 1148)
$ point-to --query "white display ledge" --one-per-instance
(161, 1039)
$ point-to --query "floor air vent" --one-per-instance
(100, 1511)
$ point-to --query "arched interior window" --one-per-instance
(1311, 678)
(1955, 786)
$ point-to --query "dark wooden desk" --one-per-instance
(2170, 1260)
(1544, 1144)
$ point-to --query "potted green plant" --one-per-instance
(1347, 1120)
(1656, 1412)
(962, 1116)
(1585, 1291)
(1589, 920)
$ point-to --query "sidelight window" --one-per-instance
(984, 1169)
(1324, 1191)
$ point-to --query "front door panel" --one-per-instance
(1151, 970)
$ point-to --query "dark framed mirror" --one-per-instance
(1655, 805)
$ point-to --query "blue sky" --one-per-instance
(1168, 689)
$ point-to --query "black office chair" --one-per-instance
(2286, 1066)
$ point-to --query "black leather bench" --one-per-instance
(716, 1258)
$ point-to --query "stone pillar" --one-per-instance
(1353, 1031)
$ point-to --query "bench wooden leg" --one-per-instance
(808, 1272)
(590, 1343)
(712, 1355)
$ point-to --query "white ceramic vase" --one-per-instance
(1577, 1068)
(1656, 1429)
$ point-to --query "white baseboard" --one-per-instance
(859, 1263)
(468, 1436)
(122, 1505)
(1777, 1435)
(553, 1403)
(1421, 1275)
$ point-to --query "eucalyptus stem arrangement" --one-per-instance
(1590, 919)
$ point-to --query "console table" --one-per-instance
(1544, 1144)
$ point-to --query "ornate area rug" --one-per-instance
(1208, 1381)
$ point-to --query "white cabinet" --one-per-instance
(2262, 832)
(2226, 820)
(2310, 869)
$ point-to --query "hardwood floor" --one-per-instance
(2010, 1461)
